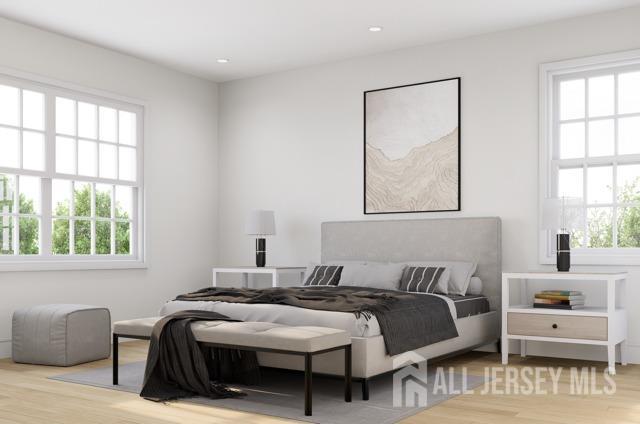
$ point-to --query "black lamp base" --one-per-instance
(563, 255)
(261, 252)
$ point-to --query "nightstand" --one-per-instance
(274, 271)
(602, 326)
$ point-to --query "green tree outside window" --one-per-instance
(29, 227)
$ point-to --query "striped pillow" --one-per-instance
(420, 279)
(324, 275)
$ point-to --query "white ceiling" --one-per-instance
(263, 36)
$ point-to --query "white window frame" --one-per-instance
(46, 261)
(549, 74)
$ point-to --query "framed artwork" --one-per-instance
(412, 148)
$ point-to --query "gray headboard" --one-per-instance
(463, 239)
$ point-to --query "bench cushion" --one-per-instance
(141, 327)
(267, 335)
(262, 335)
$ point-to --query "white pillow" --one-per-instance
(443, 282)
(461, 273)
(352, 273)
(475, 286)
(374, 275)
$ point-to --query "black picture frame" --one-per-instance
(364, 144)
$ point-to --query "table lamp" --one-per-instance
(562, 215)
(261, 223)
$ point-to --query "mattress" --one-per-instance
(467, 306)
(282, 314)
(459, 307)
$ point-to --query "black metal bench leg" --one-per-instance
(114, 359)
(307, 383)
(365, 389)
(347, 373)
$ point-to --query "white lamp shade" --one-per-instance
(260, 223)
(562, 213)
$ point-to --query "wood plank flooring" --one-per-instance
(27, 396)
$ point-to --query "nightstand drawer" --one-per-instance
(565, 326)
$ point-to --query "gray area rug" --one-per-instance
(281, 394)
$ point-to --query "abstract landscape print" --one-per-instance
(412, 148)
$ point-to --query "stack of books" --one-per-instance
(559, 299)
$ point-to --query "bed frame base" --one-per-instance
(365, 389)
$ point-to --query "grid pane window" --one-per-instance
(629, 92)
(106, 157)
(596, 153)
(7, 207)
(9, 105)
(572, 140)
(33, 150)
(20, 214)
(22, 117)
(69, 167)
(10, 147)
(87, 220)
(572, 99)
(87, 120)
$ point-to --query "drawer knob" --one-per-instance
(554, 326)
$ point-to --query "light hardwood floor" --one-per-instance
(27, 396)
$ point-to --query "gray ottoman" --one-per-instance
(61, 335)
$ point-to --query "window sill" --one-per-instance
(71, 265)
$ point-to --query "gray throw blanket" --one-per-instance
(177, 366)
(408, 321)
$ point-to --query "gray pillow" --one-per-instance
(442, 286)
(324, 275)
(420, 279)
(312, 266)
(461, 273)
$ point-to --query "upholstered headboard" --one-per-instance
(456, 239)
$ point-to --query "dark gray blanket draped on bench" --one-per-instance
(177, 366)
(408, 321)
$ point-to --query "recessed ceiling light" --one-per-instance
(222, 60)
(375, 28)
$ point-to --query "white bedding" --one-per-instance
(290, 315)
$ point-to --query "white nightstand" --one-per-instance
(274, 271)
(603, 326)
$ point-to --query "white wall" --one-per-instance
(180, 173)
(292, 141)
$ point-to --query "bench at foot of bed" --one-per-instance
(256, 336)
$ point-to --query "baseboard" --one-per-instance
(573, 351)
(634, 354)
(5, 349)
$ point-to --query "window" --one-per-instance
(71, 186)
(590, 150)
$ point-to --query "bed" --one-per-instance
(461, 239)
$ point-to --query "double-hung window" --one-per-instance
(71, 178)
(590, 151)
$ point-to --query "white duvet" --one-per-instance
(290, 315)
